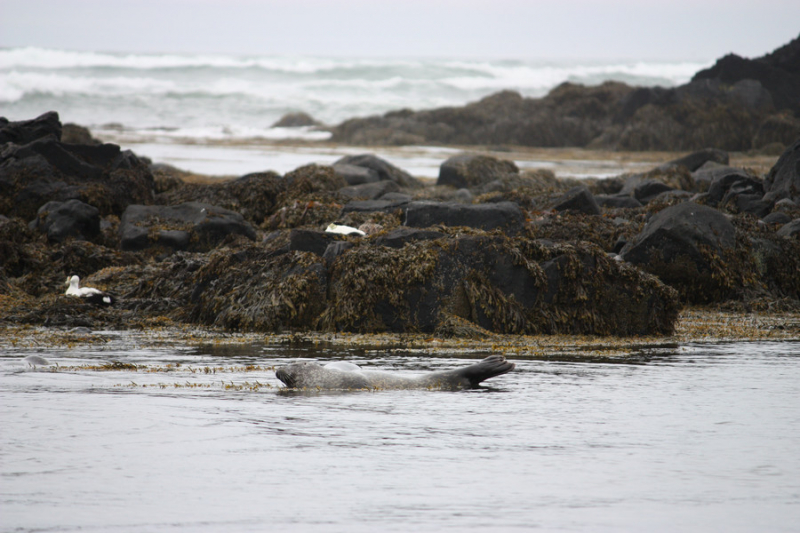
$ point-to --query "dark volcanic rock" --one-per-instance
(471, 170)
(500, 284)
(26, 131)
(685, 246)
(777, 218)
(304, 240)
(73, 218)
(504, 215)
(727, 185)
(46, 169)
(384, 169)
(704, 176)
(650, 189)
(783, 180)
(191, 226)
(577, 199)
(778, 72)
(792, 229)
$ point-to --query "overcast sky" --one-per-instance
(514, 29)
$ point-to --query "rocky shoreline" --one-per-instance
(738, 104)
(487, 250)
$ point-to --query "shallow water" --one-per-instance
(687, 438)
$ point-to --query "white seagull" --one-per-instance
(343, 230)
(89, 294)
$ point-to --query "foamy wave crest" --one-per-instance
(43, 58)
(16, 85)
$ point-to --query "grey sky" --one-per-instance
(557, 29)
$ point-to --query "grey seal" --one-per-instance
(343, 375)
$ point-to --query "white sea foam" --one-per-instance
(209, 96)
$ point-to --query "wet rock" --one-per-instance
(504, 215)
(255, 196)
(792, 229)
(369, 191)
(190, 226)
(685, 246)
(783, 179)
(256, 290)
(577, 199)
(728, 185)
(70, 219)
(650, 189)
(707, 174)
(26, 131)
(46, 169)
(384, 169)
(312, 241)
(472, 170)
(498, 284)
(777, 218)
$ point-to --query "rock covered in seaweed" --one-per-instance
(188, 226)
(36, 167)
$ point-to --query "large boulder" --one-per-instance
(472, 170)
(504, 215)
(383, 169)
(190, 226)
(73, 218)
(45, 169)
(686, 246)
(500, 284)
(783, 180)
(25, 131)
(578, 199)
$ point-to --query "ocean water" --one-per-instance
(686, 437)
(212, 98)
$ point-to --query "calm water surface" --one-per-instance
(688, 438)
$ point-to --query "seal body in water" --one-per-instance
(342, 375)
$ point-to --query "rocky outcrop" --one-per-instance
(684, 245)
(783, 180)
(190, 226)
(736, 105)
(62, 220)
(506, 216)
(524, 252)
(379, 168)
(472, 170)
(36, 168)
